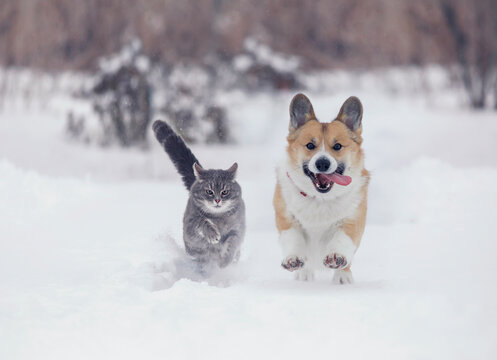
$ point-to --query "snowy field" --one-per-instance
(91, 264)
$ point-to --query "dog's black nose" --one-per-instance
(322, 164)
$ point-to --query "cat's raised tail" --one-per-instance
(181, 156)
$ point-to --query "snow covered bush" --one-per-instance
(191, 91)
(128, 91)
(121, 98)
(260, 67)
(189, 104)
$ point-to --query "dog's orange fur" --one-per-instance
(282, 220)
(355, 227)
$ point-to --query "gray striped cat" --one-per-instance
(214, 219)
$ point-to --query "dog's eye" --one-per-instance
(310, 146)
(225, 192)
(337, 146)
(209, 192)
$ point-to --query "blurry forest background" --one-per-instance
(184, 49)
(58, 34)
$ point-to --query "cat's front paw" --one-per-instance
(292, 263)
(335, 261)
(212, 235)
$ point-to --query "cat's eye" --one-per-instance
(337, 146)
(225, 192)
(310, 146)
(209, 192)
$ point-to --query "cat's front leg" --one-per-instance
(230, 249)
(210, 232)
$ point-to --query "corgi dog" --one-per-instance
(320, 199)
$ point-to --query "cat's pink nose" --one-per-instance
(217, 201)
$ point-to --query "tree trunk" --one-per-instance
(495, 93)
(474, 80)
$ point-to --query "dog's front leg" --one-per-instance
(292, 239)
(293, 244)
(339, 253)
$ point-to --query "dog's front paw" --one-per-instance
(292, 263)
(335, 261)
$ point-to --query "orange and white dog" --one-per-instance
(321, 194)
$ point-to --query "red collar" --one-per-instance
(301, 192)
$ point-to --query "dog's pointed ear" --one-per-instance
(198, 170)
(351, 114)
(232, 170)
(301, 111)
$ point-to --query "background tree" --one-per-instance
(473, 29)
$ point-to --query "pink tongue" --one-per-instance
(336, 178)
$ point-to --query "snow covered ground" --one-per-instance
(91, 265)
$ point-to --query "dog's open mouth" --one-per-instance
(324, 182)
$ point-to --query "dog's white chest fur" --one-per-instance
(320, 219)
(315, 214)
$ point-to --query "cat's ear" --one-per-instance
(198, 170)
(232, 169)
(301, 111)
